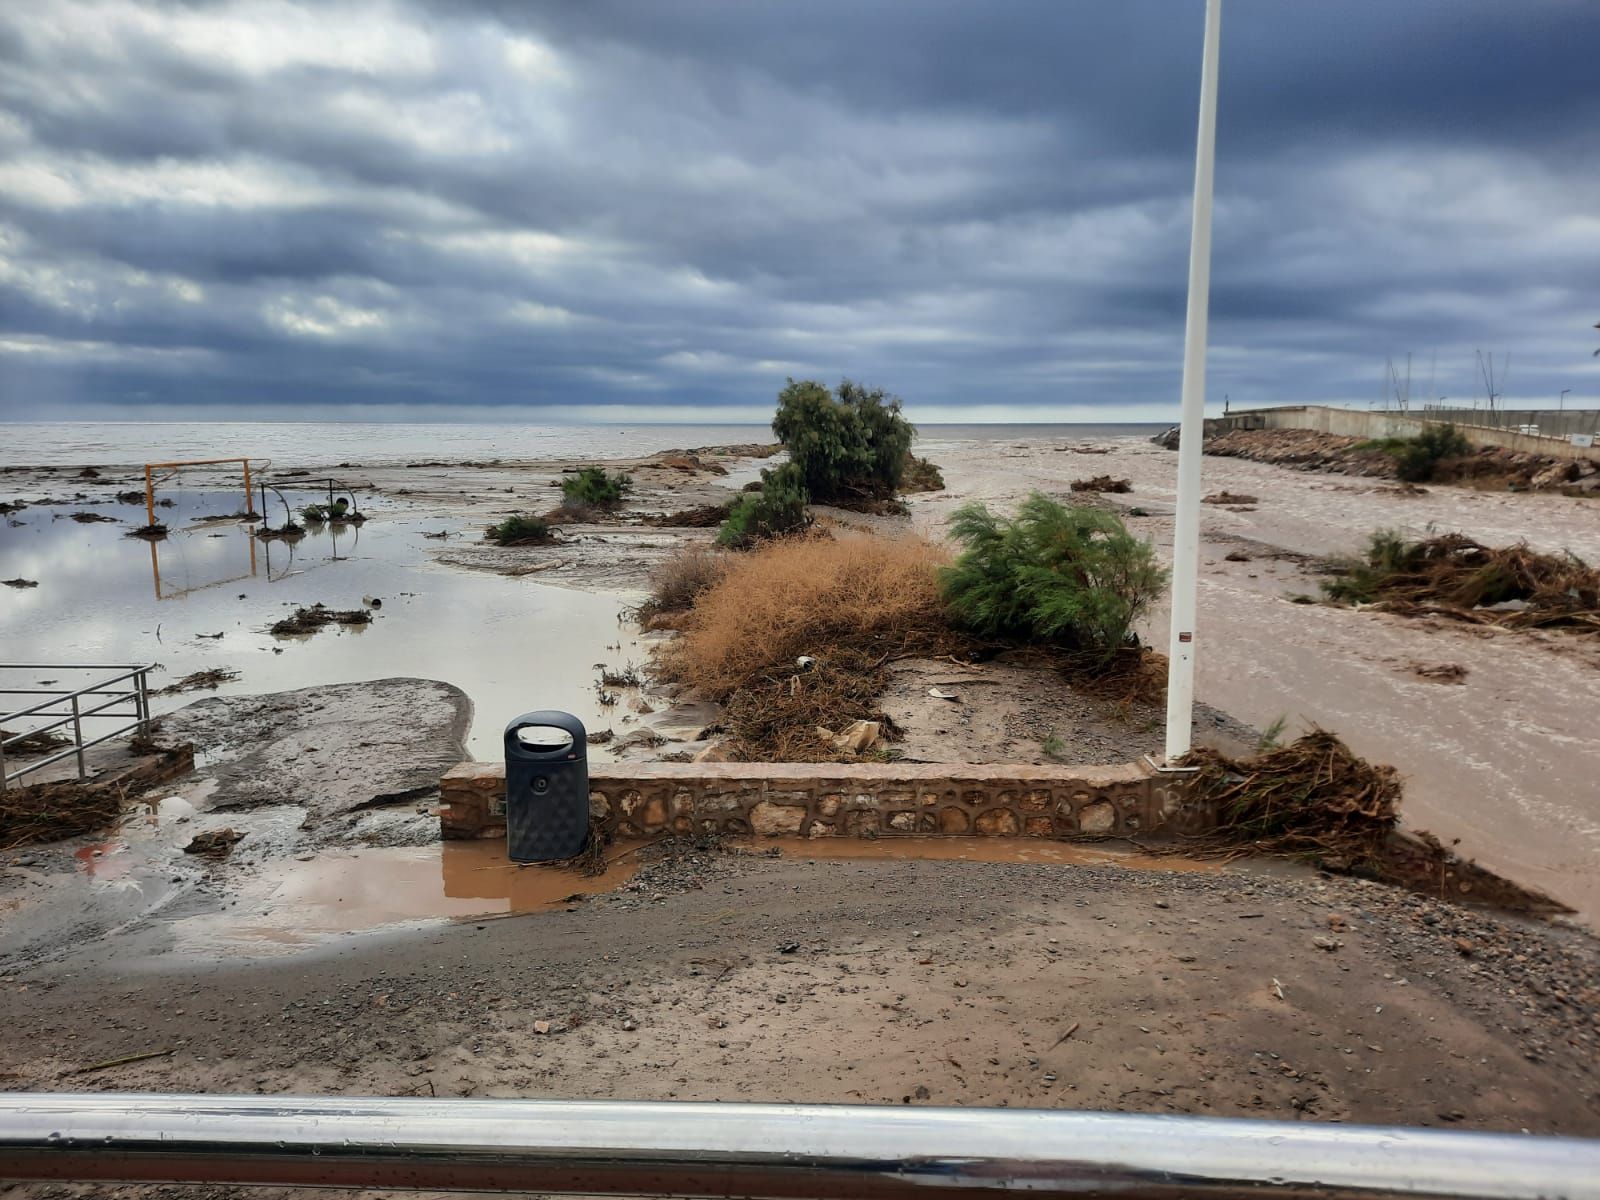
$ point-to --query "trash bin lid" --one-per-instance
(544, 737)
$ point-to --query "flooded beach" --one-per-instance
(204, 598)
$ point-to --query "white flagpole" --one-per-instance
(1186, 522)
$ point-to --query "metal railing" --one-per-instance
(776, 1151)
(1534, 422)
(96, 701)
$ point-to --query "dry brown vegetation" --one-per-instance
(850, 603)
(1102, 483)
(48, 812)
(1316, 799)
(309, 620)
(676, 582)
(1456, 577)
(1312, 797)
(804, 595)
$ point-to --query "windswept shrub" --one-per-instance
(593, 486)
(520, 530)
(778, 508)
(849, 443)
(1069, 575)
(920, 475)
(1420, 457)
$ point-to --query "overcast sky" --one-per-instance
(625, 210)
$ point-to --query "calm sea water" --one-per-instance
(310, 444)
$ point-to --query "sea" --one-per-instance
(329, 443)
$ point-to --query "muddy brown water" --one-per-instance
(1505, 760)
(302, 903)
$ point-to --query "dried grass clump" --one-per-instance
(677, 582)
(1313, 797)
(1456, 577)
(847, 604)
(813, 596)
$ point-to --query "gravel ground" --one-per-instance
(1267, 992)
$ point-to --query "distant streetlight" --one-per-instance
(1561, 400)
(1186, 519)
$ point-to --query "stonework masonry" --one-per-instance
(849, 800)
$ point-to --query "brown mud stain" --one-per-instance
(302, 903)
(977, 849)
(104, 862)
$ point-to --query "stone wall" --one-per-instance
(1351, 422)
(859, 800)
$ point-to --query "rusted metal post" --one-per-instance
(248, 503)
(77, 738)
(149, 497)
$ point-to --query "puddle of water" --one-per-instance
(301, 903)
(511, 644)
(978, 849)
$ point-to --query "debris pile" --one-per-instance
(211, 678)
(702, 516)
(1456, 577)
(40, 741)
(48, 812)
(1313, 797)
(214, 843)
(1102, 483)
(309, 620)
(1316, 799)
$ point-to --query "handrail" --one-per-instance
(75, 713)
(772, 1151)
(63, 693)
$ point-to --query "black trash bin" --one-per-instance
(547, 787)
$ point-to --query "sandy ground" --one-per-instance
(893, 982)
(1507, 761)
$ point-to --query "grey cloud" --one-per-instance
(629, 203)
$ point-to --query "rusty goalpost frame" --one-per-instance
(150, 487)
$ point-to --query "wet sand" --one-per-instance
(1507, 761)
(883, 982)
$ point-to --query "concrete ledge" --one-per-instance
(846, 799)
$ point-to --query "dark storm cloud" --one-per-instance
(669, 207)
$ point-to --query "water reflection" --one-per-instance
(155, 573)
(205, 596)
(301, 903)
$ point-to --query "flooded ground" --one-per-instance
(1506, 760)
(302, 904)
(204, 598)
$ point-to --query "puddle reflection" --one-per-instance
(204, 597)
(301, 903)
